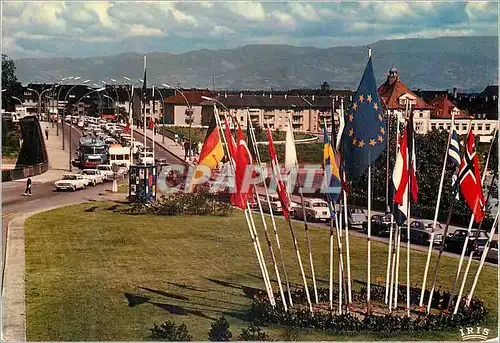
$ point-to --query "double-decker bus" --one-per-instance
(92, 152)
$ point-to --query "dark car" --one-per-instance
(455, 241)
(420, 232)
(381, 225)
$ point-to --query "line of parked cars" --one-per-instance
(86, 177)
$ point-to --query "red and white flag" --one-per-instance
(127, 128)
(285, 202)
(470, 180)
(243, 160)
(151, 124)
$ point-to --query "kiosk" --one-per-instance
(142, 183)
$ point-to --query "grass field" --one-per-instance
(92, 275)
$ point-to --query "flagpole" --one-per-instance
(131, 121)
(399, 230)
(344, 199)
(389, 251)
(464, 248)
(436, 212)
(476, 237)
(306, 227)
(144, 96)
(408, 243)
(268, 239)
(295, 244)
(154, 124)
(249, 221)
(483, 258)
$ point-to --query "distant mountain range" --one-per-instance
(467, 63)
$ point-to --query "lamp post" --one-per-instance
(63, 80)
(189, 114)
(39, 99)
(162, 110)
(116, 92)
(64, 112)
(71, 121)
(108, 97)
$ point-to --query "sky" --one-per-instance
(98, 28)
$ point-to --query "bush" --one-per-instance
(220, 331)
(168, 331)
(253, 333)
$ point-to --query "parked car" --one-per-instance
(146, 158)
(274, 202)
(381, 225)
(356, 216)
(71, 182)
(420, 232)
(106, 170)
(456, 240)
(315, 209)
(93, 175)
(493, 252)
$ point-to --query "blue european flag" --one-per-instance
(364, 135)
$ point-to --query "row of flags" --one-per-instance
(363, 139)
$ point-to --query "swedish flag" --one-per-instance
(332, 174)
(364, 135)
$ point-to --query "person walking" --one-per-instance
(47, 133)
(27, 191)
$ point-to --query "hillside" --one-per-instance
(468, 63)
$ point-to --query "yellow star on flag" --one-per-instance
(369, 98)
(379, 117)
(351, 132)
(372, 142)
(354, 141)
(355, 106)
(351, 117)
(361, 98)
(361, 143)
(380, 138)
(375, 106)
(382, 130)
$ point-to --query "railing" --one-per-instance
(24, 172)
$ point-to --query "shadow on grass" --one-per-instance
(112, 208)
(166, 294)
(249, 292)
(91, 209)
(135, 299)
(181, 311)
(190, 288)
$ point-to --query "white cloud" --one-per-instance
(283, 19)
(220, 30)
(303, 11)
(248, 10)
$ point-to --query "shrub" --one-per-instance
(220, 331)
(169, 331)
(253, 333)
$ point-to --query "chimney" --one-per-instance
(285, 96)
(313, 97)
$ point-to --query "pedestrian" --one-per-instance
(28, 187)
(47, 133)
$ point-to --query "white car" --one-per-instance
(71, 182)
(106, 170)
(93, 175)
(493, 252)
(315, 209)
(146, 158)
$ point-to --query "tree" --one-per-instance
(253, 333)
(220, 331)
(325, 87)
(168, 331)
(10, 83)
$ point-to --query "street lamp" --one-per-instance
(162, 114)
(189, 114)
(64, 112)
(107, 96)
(39, 99)
(71, 121)
(63, 80)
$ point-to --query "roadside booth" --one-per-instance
(142, 183)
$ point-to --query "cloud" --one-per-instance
(107, 27)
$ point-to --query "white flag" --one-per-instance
(290, 152)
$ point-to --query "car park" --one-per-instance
(456, 240)
(420, 232)
(71, 182)
(315, 210)
(380, 225)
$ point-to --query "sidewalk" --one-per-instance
(170, 145)
(58, 158)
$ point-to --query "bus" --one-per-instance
(119, 155)
(92, 152)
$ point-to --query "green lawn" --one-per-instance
(83, 267)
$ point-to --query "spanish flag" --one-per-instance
(212, 151)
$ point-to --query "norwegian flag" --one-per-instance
(285, 202)
(470, 180)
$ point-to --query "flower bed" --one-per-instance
(363, 321)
